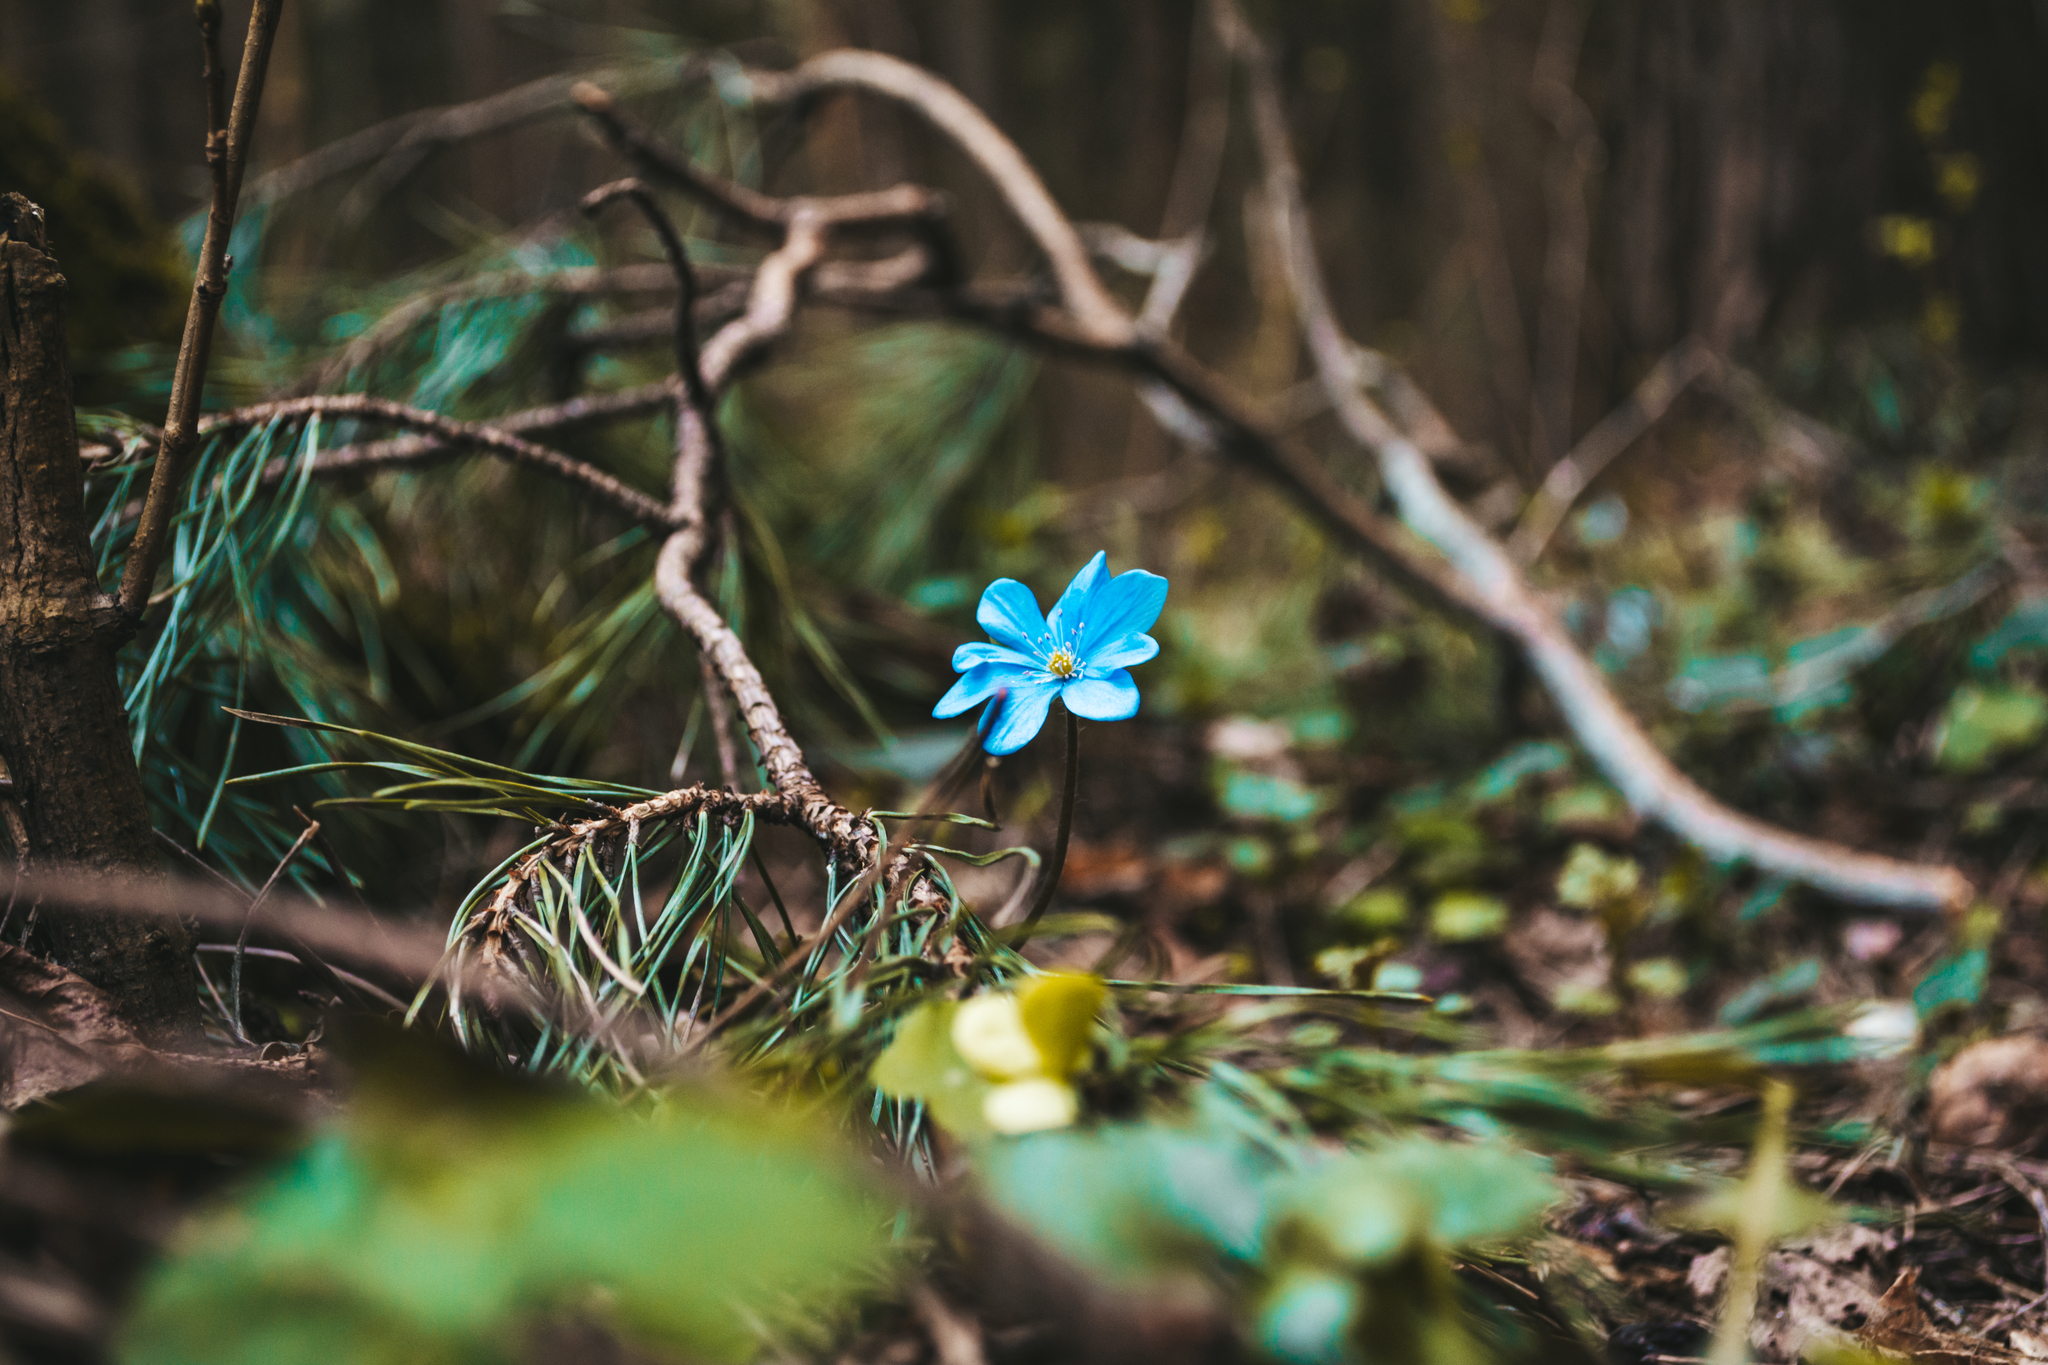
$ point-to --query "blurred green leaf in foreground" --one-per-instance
(444, 1211)
(1337, 1256)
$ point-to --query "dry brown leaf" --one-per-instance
(1992, 1094)
(57, 1031)
(1815, 1288)
(1900, 1324)
(1557, 954)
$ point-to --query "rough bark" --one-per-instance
(63, 734)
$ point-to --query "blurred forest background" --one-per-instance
(1770, 277)
(1528, 206)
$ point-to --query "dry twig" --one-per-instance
(1678, 368)
(485, 436)
(1095, 312)
(227, 155)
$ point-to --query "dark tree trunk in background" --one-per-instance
(1756, 149)
(62, 731)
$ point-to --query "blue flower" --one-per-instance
(1082, 653)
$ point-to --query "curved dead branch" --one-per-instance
(1474, 577)
(1604, 729)
(953, 114)
(769, 315)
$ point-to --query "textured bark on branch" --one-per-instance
(227, 155)
(450, 434)
(62, 731)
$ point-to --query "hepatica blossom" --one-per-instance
(1082, 653)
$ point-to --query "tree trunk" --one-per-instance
(63, 734)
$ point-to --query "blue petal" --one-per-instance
(1126, 605)
(1112, 698)
(1126, 652)
(1023, 715)
(1009, 613)
(975, 652)
(976, 686)
(1073, 606)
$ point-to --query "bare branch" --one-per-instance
(699, 454)
(914, 208)
(954, 115)
(864, 277)
(769, 315)
(739, 203)
(405, 451)
(1602, 726)
(209, 286)
(684, 803)
(1684, 363)
(683, 332)
(402, 948)
(393, 945)
(409, 137)
(451, 433)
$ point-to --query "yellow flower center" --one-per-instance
(1062, 664)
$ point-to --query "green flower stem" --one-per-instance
(1050, 879)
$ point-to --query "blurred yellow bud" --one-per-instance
(988, 1033)
(1031, 1106)
(1057, 1010)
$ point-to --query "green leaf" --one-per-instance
(1267, 796)
(1308, 1317)
(921, 1063)
(1367, 1207)
(1464, 916)
(1956, 981)
(1981, 722)
(446, 1205)
(1135, 1201)
(1591, 880)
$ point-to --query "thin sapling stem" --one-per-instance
(227, 155)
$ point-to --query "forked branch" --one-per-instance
(952, 113)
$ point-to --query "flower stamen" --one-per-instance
(1062, 664)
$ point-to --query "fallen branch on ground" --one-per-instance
(1604, 729)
